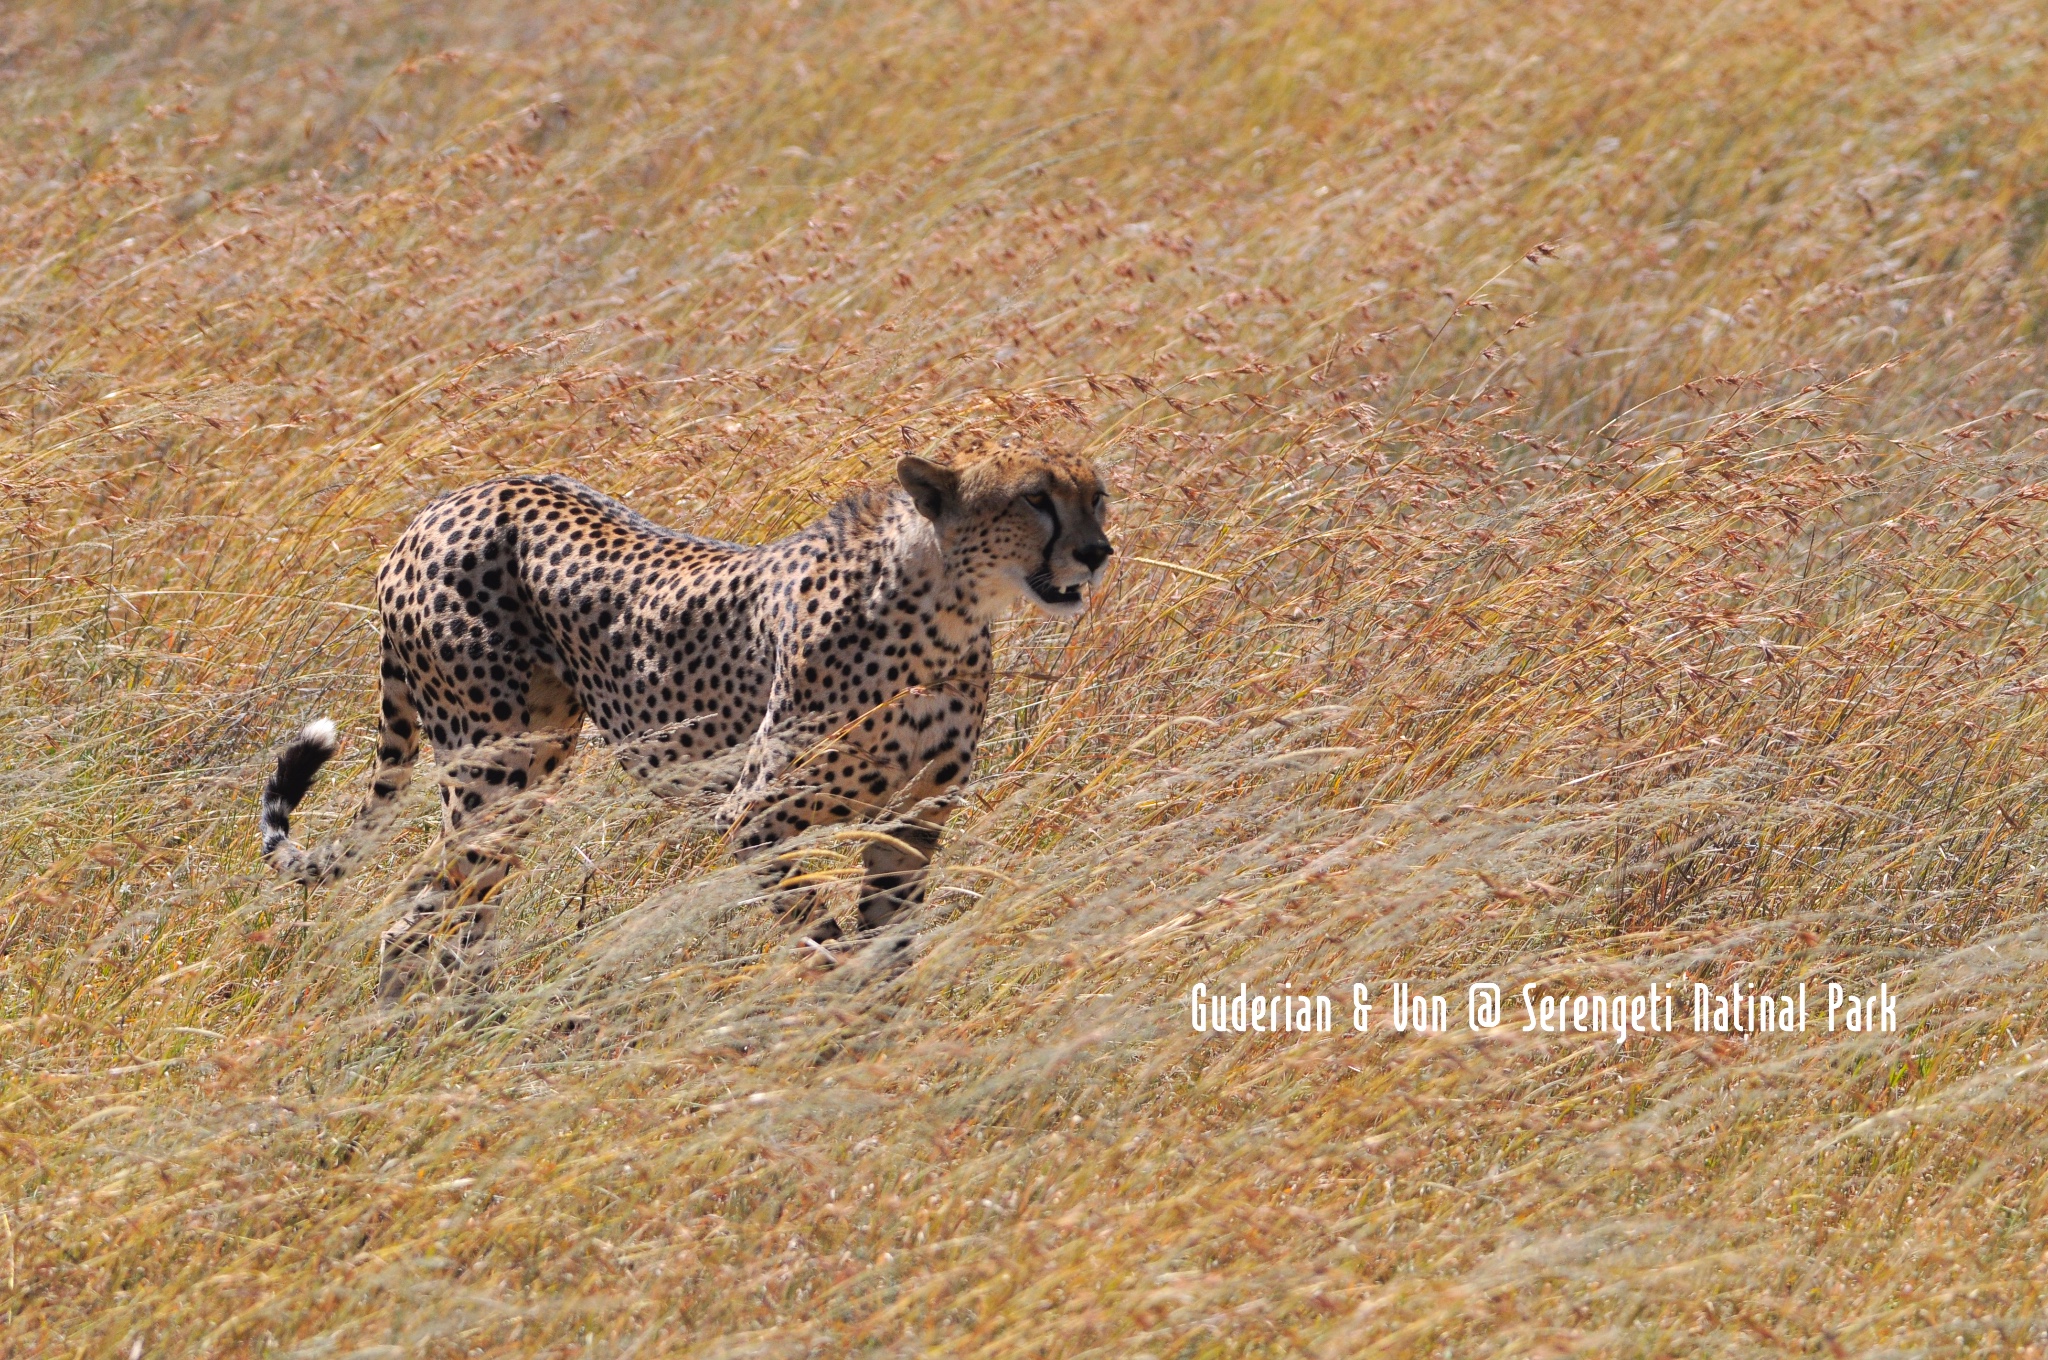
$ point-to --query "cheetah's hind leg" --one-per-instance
(443, 940)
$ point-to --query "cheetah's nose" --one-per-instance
(1093, 555)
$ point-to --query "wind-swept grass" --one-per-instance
(1580, 515)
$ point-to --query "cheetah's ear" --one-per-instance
(934, 488)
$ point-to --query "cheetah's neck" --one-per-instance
(914, 567)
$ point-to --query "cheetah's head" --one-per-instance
(1017, 527)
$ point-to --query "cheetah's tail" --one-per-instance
(297, 766)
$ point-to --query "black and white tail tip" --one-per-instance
(297, 765)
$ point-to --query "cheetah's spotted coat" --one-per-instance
(851, 658)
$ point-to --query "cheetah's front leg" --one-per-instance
(838, 784)
(896, 766)
(846, 786)
(895, 867)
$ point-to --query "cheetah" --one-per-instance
(844, 670)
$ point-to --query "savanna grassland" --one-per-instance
(1580, 501)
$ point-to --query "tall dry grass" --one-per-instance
(1580, 477)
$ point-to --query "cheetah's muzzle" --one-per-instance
(1042, 586)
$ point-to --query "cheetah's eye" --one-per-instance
(1040, 502)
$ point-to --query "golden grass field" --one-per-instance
(1581, 483)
